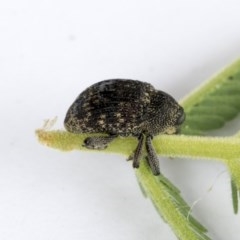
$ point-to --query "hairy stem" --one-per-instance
(224, 149)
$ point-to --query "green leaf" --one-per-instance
(213, 103)
(170, 205)
(234, 196)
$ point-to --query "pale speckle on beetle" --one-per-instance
(123, 107)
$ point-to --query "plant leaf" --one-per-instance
(214, 103)
(170, 205)
(234, 196)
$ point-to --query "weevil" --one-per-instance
(124, 107)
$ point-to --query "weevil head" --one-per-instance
(175, 117)
(165, 114)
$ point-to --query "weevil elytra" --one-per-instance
(124, 107)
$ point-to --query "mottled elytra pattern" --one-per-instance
(122, 107)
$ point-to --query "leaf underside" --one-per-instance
(167, 198)
(184, 209)
(217, 102)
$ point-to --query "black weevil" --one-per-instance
(123, 107)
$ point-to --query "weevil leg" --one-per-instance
(138, 152)
(152, 156)
(98, 142)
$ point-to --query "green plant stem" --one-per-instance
(224, 149)
(163, 194)
(215, 148)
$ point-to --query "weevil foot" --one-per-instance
(98, 142)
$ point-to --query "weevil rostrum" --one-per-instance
(124, 107)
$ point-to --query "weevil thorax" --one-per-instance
(165, 115)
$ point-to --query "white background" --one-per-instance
(52, 50)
